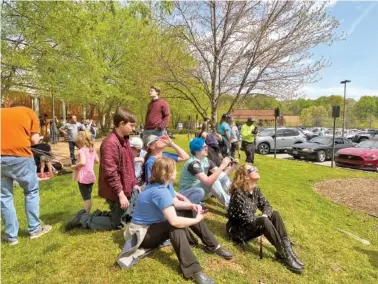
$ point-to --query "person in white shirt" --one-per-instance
(138, 154)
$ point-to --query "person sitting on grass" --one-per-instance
(243, 224)
(200, 177)
(138, 154)
(43, 157)
(83, 169)
(159, 215)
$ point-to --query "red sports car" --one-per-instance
(363, 156)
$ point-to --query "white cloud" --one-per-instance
(360, 18)
(331, 3)
(310, 92)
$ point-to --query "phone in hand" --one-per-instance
(203, 212)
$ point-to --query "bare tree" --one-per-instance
(246, 47)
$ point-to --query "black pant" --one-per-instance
(249, 149)
(72, 145)
(86, 190)
(158, 233)
(273, 229)
(234, 146)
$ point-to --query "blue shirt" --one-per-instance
(223, 128)
(150, 162)
(150, 204)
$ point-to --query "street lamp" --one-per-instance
(344, 82)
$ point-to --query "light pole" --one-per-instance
(344, 82)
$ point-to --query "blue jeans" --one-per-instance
(22, 170)
(157, 132)
(219, 189)
(72, 145)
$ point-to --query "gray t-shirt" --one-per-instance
(72, 130)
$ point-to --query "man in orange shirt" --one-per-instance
(20, 128)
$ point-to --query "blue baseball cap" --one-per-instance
(196, 145)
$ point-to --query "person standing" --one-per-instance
(54, 132)
(157, 116)
(248, 133)
(224, 130)
(20, 128)
(235, 137)
(71, 129)
(116, 177)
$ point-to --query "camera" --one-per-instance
(233, 161)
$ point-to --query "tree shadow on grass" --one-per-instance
(118, 238)
(372, 254)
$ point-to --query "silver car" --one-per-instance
(286, 137)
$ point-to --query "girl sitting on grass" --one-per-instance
(244, 225)
(83, 169)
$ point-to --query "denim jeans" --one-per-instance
(219, 189)
(157, 132)
(22, 170)
(72, 145)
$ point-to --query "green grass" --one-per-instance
(83, 256)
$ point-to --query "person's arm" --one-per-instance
(34, 138)
(209, 180)
(34, 128)
(82, 161)
(182, 205)
(181, 222)
(62, 129)
(228, 136)
(182, 155)
(230, 169)
(109, 166)
(263, 204)
(96, 160)
(165, 116)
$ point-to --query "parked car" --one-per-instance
(318, 148)
(364, 135)
(363, 156)
(286, 137)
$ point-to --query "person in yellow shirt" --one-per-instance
(248, 133)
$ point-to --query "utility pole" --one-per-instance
(344, 82)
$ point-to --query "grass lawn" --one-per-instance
(83, 256)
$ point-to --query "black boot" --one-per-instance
(288, 260)
(75, 221)
(287, 244)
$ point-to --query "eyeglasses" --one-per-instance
(252, 169)
(136, 149)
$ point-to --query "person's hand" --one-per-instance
(199, 216)
(196, 208)
(264, 215)
(226, 161)
(123, 202)
(138, 159)
(138, 188)
(167, 140)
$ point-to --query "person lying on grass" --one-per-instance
(243, 224)
(167, 217)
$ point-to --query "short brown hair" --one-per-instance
(157, 89)
(123, 115)
(162, 170)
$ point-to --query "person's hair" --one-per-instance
(46, 140)
(162, 170)
(84, 139)
(240, 180)
(123, 115)
(157, 89)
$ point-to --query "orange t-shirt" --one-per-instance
(17, 125)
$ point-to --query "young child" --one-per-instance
(83, 169)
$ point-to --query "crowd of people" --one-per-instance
(136, 178)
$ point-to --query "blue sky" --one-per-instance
(356, 58)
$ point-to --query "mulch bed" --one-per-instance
(357, 193)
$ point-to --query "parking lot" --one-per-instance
(288, 157)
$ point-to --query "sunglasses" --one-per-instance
(252, 169)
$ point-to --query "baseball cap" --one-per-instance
(226, 116)
(136, 142)
(196, 145)
(152, 139)
(250, 118)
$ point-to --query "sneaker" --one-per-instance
(75, 221)
(42, 230)
(11, 242)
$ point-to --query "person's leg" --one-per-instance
(195, 195)
(253, 152)
(71, 146)
(42, 170)
(156, 235)
(248, 152)
(86, 194)
(225, 182)
(233, 148)
(188, 262)
(218, 191)
(8, 211)
(263, 226)
(278, 224)
(50, 167)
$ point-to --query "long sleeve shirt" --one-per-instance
(157, 115)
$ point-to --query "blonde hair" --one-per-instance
(240, 179)
(84, 139)
(162, 170)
